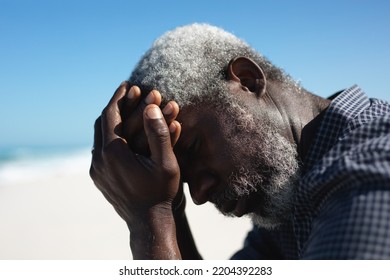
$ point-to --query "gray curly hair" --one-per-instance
(189, 64)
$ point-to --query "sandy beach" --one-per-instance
(61, 215)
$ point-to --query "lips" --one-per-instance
(228, 206)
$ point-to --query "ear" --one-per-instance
(248, 74)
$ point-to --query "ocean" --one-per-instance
(22, 164)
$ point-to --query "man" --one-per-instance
(313, 174)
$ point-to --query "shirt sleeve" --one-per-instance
(351, 217)
(352, 225)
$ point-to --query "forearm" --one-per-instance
(154, 237)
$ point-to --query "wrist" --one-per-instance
(154, 237)
(179, 206)
(149, 215)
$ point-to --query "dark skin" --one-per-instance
(142, 176)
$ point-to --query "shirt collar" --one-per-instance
(343, 108)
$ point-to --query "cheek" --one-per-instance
(218, 155)
(182, 158)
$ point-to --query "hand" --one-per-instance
(136, 185)
(133, 124)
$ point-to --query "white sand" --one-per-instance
(64, 216)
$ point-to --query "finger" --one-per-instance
(170, 111)
(97, 147)
(131, 101)
(138, 141)
(111, 118)
(157, 133)
(174, 131)
(97, 137)
(118, 95)
(134, 122)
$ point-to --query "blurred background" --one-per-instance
(60, 62)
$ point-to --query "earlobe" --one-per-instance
(246, 72)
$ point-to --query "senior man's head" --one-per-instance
(232, 150)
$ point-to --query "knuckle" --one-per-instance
(97, 123)
(106, 150)
(162, 132)
(113, 151)
(109, 151)
(95, 168)
(159, 128)
(170, 168)
(106, 112)
(92, 172)
(162, 140)
(109, 112)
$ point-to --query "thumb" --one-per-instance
(157, 133)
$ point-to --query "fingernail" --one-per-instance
(150, 98)
(154, 113)
(168, 109)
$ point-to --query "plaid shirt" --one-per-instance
(342, 203)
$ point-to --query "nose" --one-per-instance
(202, 187)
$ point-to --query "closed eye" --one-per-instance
(194, 146)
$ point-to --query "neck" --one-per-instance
(300, 114)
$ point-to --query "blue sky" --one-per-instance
(60, 61)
